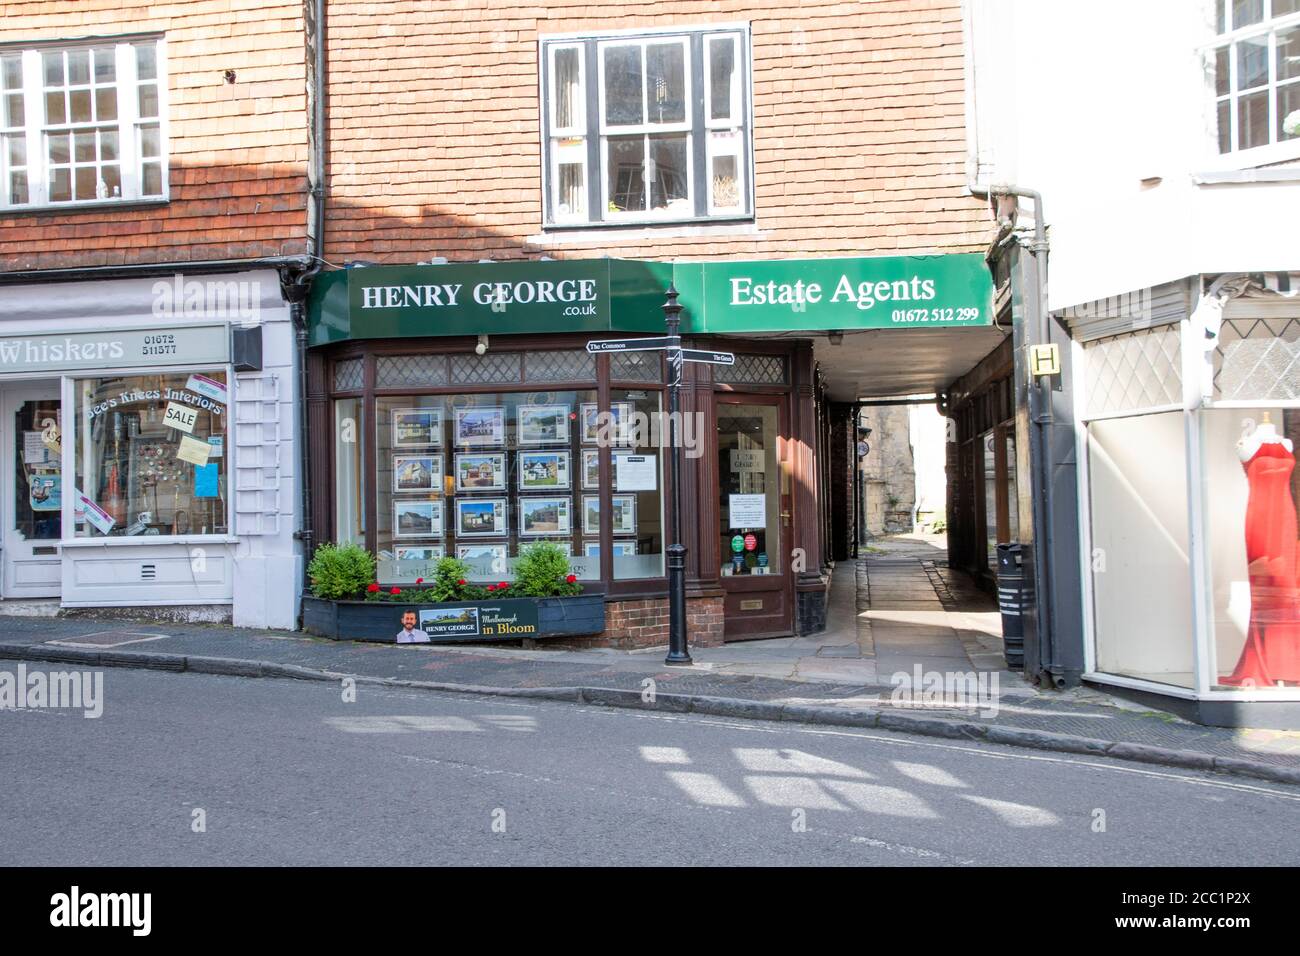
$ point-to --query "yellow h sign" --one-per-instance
(1044, 360)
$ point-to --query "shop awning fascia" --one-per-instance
(601, 296)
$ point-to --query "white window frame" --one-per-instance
(644, 129)
(740, 121)
(128, 123)
(734, 123)
(564, 152)
(1275, 150)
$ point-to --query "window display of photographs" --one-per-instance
(435, 553)
(417, 473)
(480, 426)
(485, 560)
(613, 429)
(543, 424)
(417, 427)
(619, 549)
(590, 468)
(480, 517)
(543, 470)
(624, 514)
(542, 516)
(565, 546)
(417, 519)
(486, 472)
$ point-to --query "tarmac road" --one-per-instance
(287, 772)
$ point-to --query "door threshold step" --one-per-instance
(29, 607)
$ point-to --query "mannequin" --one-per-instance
(1272, 652)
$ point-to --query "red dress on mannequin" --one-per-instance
(1272, 651)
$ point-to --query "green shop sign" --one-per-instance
(617, 295)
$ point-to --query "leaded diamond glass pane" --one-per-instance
(752, 370)
(635, 367)
(399, 371)
(572, 365)
(1141, 369)
(491, 369)
(1258, 359)
(348, 375)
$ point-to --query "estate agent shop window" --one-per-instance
(473, 470)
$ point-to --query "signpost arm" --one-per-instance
(677, 646)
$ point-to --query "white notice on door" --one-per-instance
(747, 511)
(34, 450)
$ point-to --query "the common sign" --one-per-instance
(627, 345)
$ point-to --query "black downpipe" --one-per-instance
(302, 282)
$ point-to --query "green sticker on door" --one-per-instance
(738, 544)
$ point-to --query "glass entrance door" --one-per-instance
(754, 515)
(31, 429)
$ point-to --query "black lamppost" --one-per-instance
(677, 646)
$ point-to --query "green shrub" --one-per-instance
(451, 581)
(340, 571)
(543, 571)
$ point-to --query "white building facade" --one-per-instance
(1164, 138)
(148, 448)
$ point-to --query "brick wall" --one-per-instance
(644, 623)
(859, 135)
(238, 152)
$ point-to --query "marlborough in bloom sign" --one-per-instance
(606, 295)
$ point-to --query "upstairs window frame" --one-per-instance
(1267, 27)
(83, 123)
(684, 166)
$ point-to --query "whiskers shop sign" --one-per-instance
(499, 620)
(120, 349)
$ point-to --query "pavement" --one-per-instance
(197, 769)
(898, 610)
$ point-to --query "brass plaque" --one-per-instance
(755, 604)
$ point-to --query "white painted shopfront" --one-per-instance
(145, 463)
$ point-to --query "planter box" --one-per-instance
(459, 621)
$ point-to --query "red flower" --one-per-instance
(419, 580)
(461, 582)
(504, 584)
(395, 591)
(373, 589)
(491, 587)
(571, 578)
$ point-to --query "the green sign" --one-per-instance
(737, 544)
(892, 292)
(609, 295)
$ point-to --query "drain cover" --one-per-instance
(108, 639)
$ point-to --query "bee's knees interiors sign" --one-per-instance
(115, 349)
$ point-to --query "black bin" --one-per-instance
(1011, 602)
